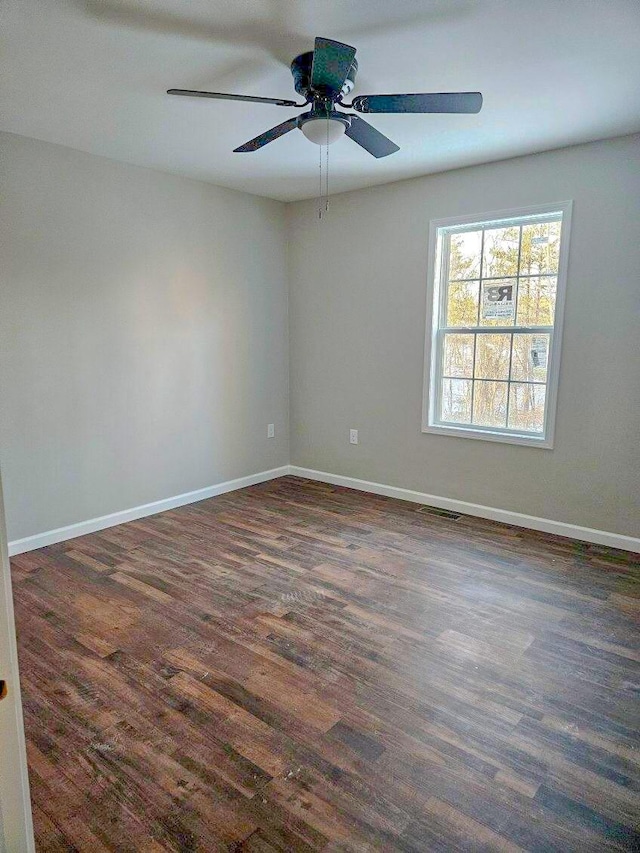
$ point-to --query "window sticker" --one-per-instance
(539, 350)
(498, 301)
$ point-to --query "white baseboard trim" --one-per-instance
(546, 525)
(61, 534)
(518, 519)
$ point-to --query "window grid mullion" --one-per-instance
(497, 330)
(473, 377)
(504, 277)
(442, 317)
(509, 380)
(515, 320)
(480, 278)
(444, 282)
(504, 381)
(546, 383)
(439, 373)
(515, 316)
(475, 337)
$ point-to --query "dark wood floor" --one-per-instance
(299, 667)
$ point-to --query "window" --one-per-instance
(495, 312)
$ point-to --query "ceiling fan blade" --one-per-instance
(268, 136)
(279, 102)
(369, 138)
(332, 62)
(435, 102)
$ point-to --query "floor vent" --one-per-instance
(443, 513)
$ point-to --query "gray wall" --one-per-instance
(357, 318)
(143, 335)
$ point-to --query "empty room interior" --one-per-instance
(319, 426)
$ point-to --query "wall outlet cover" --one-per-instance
(353, 436)
(271, 430)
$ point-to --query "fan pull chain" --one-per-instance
(323, 189)
(320, 185)
(326, 172)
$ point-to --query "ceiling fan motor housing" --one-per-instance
(301, 70)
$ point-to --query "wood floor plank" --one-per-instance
(300, 667)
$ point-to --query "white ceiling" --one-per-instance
(92, 74)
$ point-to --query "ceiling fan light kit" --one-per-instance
(324, 77)
(323, 131)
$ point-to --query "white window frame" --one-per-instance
(432, 371)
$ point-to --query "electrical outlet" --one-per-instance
(271, 430)
(353, 436)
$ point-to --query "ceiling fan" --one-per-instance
(324, 76)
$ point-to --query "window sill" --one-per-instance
(489, 435)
